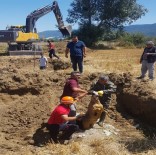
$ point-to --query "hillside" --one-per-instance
(146, 29)
(50, 34)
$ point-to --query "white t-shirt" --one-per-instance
(43, 61)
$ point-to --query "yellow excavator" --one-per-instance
(23, 37)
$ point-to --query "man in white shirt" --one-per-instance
(43, 62)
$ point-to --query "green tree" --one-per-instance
(104, 15)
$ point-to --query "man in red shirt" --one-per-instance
(73, 89)
(51, 47)
(59, 119)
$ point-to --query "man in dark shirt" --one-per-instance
(77, 51)
(73, 89)
(147, 60)
(103, 84)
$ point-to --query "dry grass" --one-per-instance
(3, 48)
(119, 61)
(108, 146)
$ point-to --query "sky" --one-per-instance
(14, 12)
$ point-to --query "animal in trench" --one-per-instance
(95, 108)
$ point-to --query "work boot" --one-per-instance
(100, 124)
(140, 77)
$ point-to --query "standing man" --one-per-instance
(51, 51)
(58, 121)
(73, 89)
(77, 51)
(147, 60)
(105, 85)
(43, 61)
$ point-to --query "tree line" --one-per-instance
(105, 19)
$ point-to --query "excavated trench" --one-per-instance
(133, 97)
(137, 98)
(27, 99)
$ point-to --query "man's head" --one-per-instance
(75, 74)
(103, 79)
(67, 100)
(74, 38)
(149, 44)
(41, 54)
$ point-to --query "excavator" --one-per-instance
(23, 37)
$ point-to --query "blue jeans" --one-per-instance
(77, 60)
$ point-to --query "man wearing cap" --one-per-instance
(105, 85)
(73, 89)
(147, 60)
(59, 118)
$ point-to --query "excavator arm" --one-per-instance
(35, 15)
(23, 37)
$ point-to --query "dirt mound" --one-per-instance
(60, 65)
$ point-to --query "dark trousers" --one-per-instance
(77, 60)
(42, 67)
(105, 104)
(52, 53)
(68, 130)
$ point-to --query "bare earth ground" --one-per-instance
(27, 96)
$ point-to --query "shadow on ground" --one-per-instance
(41, 137)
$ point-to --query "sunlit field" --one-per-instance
(118, 61)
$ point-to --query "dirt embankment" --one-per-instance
(27, 98)
(137, 97)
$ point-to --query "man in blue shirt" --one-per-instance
(77, 51)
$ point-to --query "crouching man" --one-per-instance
(105, 85)
(60, 121)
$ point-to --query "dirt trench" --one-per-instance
(27, 99)
(137, 97)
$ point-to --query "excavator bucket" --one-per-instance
(66, 30)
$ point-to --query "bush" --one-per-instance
(132, 40)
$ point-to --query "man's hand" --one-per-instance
(66, 55)
(76, 99)
(84, 55)
(79, 117)
(66, 52)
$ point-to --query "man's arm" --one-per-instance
(66, 52)
(151, 54)
(84, 51)
(81, 91)
(66, 118)
(46, 61)
(110, 88)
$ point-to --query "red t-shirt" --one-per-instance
(51, 46)
(68, 88)
(55, 117)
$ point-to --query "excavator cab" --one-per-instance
(18, 27)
